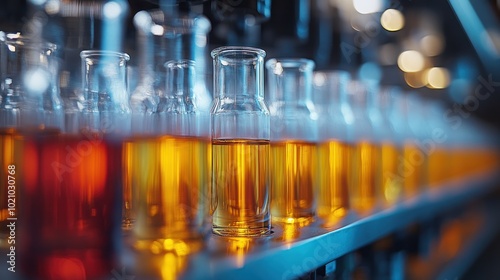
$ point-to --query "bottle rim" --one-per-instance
(281, 64)
(238, 54)
(103, 53)
(181, 24)
(181, 63)
(17, 39)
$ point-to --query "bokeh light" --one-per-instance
(437, 77)
(367, 6)
(411, 61)
(392, 20)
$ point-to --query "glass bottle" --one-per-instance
(75, 180)
(11, 63)
(409, 171)
(364, 183)
(294, 139)
(335, 146)
(416, 151)
(240, 143)
(177, 36)
(171, 191)
(391, 186)
(436, 144)
(77, 25)
(30, 107)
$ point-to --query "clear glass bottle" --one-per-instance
(294, 140)
(364, 182)
(240, 143)
(10, 137)
(408, 174)
(77, 25)
(391, 187)
(177, 36)
(74, 183)
(335, 146)
(170, 172)
(416, 151)
(436, 144)
(30, 107)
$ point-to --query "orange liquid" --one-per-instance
(294, 180)
(71, 196)
(10, 155)
(365, 172)
(241, 180)
(333, 196)
(413, 170)
(438, 167)
(391, 184)
(167, 187)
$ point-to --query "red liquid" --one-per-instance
(72, 192)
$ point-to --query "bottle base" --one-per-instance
(241, 232)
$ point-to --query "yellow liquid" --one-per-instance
(333, 196)
(413, 170)
(391, 183)
(438, 167)
(364, 181)
(10, 154)
(241, 181)
(167, 188)
(294, 178)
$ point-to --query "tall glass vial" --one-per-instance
(406, 177)
(74, 184)
(170, 184)
(240, 143)
(335, 146)
(365, 157)
(294, 136)
(378, 107)
(13, 63)
(29, 107)
(416, 152)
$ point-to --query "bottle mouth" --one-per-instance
(17, 40)
(181, 64)
(181, 24)
(238, 55)
(96, 54)
(290, 64)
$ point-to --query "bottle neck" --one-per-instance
(290, 81)
(180, 80)
(238, 74)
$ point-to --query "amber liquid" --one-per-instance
(71, 198)
(294, 179)
(364, 181)
(167, 187)
(10, 155)
(438, 164)
(333, 196)
(413, 170)
(391, 183)
(241, 181)
(467, 161)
